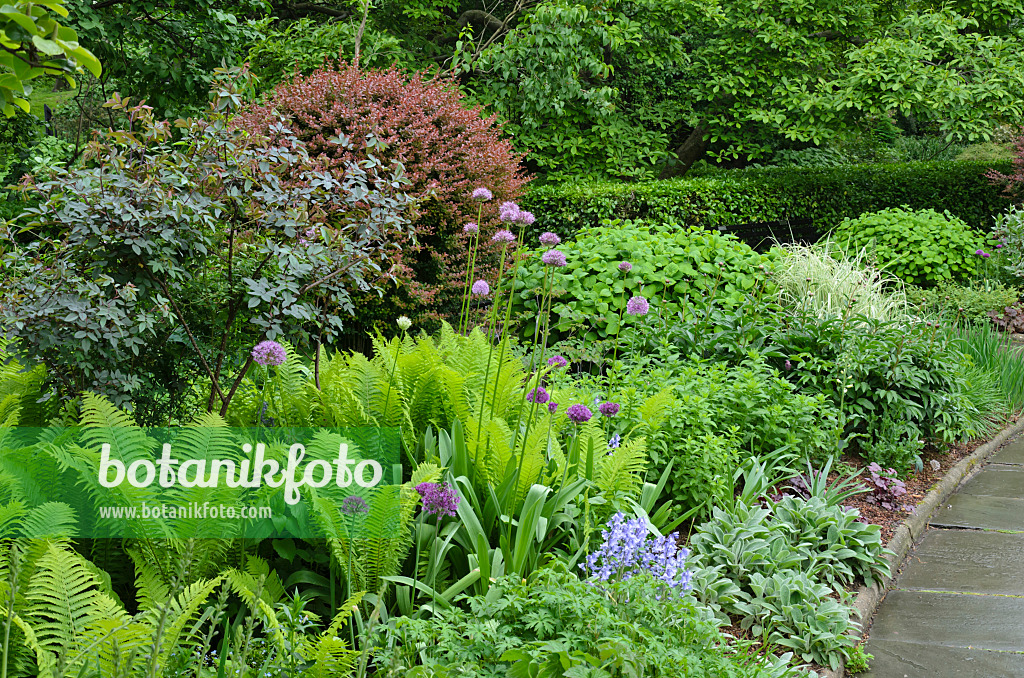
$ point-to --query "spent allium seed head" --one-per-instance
(481, 288)
(268, 353)
(554, 258)
(509, 211)
(504, 236)
(526, 218)
(471, 228)
(403, 323)
(557, 361)
(625, 267)
(637, 306)
(549, 239)
(354, 505)
(552, 407)
(538, 395)
(579, 413)
(482, 194)
(439, 499)
(608, 409)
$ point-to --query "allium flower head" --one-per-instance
(579, 413)
(549, 239)
(482, 194)
(268, 353)
(538, 395)
(503, 236)
(354, 505)
(471, 228)
(557, 361)
(403, 323)
(637, 306)
(553, 258)
(509, 211)
(986, 255)
(552, 407)
(481, 288)
(439, 499)
(526, 217)
(608, 409)
(979, 252)
(625, 267)
(999, 246)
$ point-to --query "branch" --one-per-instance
(329, 11)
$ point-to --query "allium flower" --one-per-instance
(439, 499)
(627, 551)
(579, 413)
(482, 194)
(552, 407)
(538, 395)
(549, 239)
(999, 246)
(268, 353)
(979, 252)
(354, 505)
(553, 258)
(526, 218)
(625, 267)
(509, 211)
(986, 255)
(503, 236)
(403, 323)
(557, 361)
(481, 288)
(471, 228)
(637, 306)
(608, 409)
(614, 441)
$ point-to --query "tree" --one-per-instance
(33, 44)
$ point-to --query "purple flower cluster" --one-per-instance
(439, 499)
(614, 441)
(509, 211)
(481, 288)
(982, 253)
(549, 239)
(579, 413)
(471, 228)
(538, 395)
(269, 353)
(625, 267)
(557, 361)
(504, 236)
(608, 409)
(552, 407)
(482, 194)
(637, 306)
(627, 551)
(553, 258)
(886, 488)
(354, 505)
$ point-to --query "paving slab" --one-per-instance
(967, 560)
(895, 659)
(981, 512)
(952, 620)
(1011, 454)
(996, 480)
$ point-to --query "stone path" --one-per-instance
(957, 609)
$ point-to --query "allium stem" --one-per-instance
(466, 298)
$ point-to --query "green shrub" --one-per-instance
(672, 266)
(825, 195)
(921, 247)
(970, 302)
(990, 152)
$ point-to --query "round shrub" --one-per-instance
(921, 247)
(446, 148)
(672, 267)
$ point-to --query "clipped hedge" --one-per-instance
(825, 195)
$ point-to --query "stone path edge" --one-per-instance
(912, 529)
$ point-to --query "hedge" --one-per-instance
(823, 195)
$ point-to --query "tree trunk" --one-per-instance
(688, 152)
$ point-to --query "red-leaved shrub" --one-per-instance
(1013, 183)
(447, 149)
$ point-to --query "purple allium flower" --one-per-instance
(526, 218)
(986, 255)
(579, 413)
(608, 409)
(625, 267)
(627, 551)
(553, 258)
(978, 252)
(538, 395)
(557, 361)
(549, 239)
(439, 499)
(268, 353)
(354, 505)
(999, 246)
(481, 288)
(503, 236)
(471, 228)
(552, 407)
(637, 306)
(482, 194)
(509, 211)
(614, 441)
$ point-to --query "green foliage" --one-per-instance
(990, 152)
(35, 45)
(1009, 232)
(672, 266)
(824, 195)
(970, 302)
(18, 134)
(556, 623)
(921, 247)
(994, 355)
(893, 442)
(857, 660)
